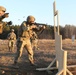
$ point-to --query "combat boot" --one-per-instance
(15, 62)
(15, 65)
(32, 63)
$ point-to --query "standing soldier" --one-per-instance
(2, 16)
(12, 39)
(24, 36)
(24, 40)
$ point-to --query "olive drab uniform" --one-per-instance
(11, 40)
(2, 10)
(34, 40)
(2, 16)
(24, 41)
(34, 37)
(25, 34)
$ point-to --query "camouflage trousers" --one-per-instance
(11, 45)
(20, 45)
(34, 43)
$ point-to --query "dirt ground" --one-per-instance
(43, 57)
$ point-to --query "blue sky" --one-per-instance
(42, 10)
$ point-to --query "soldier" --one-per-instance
(2, 16)
(12, 39)
(34, 41)
(34, 37)
(24, 36)
(24, 40)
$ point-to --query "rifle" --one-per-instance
(38, 24)
(40, 27)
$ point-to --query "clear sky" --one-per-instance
(42, 10)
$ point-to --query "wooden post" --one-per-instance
(61, 55)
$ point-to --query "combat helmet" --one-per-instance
(12, 30)
(2, 8)
(30, 19)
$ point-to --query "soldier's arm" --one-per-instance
(24, 27)
(8, 36)
(15, 37)
(38, 29)
(7, 23)
(27, 27)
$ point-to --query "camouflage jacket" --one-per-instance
(11, 36)
(2, 24)
(24, 30)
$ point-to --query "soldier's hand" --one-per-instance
(42, 26)
(6, 15)
(33, 26)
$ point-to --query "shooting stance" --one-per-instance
(24, 36)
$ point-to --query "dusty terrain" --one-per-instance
(43, 57)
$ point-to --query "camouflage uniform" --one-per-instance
(2, 16)
(24, 36)
(12, 39)
(34, 40)
(2, 12)
(24, 41)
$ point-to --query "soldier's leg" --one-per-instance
(9, 45)
(36, 45)
(30, 52)
(20, 46)
(13, 44)
(32, 45)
